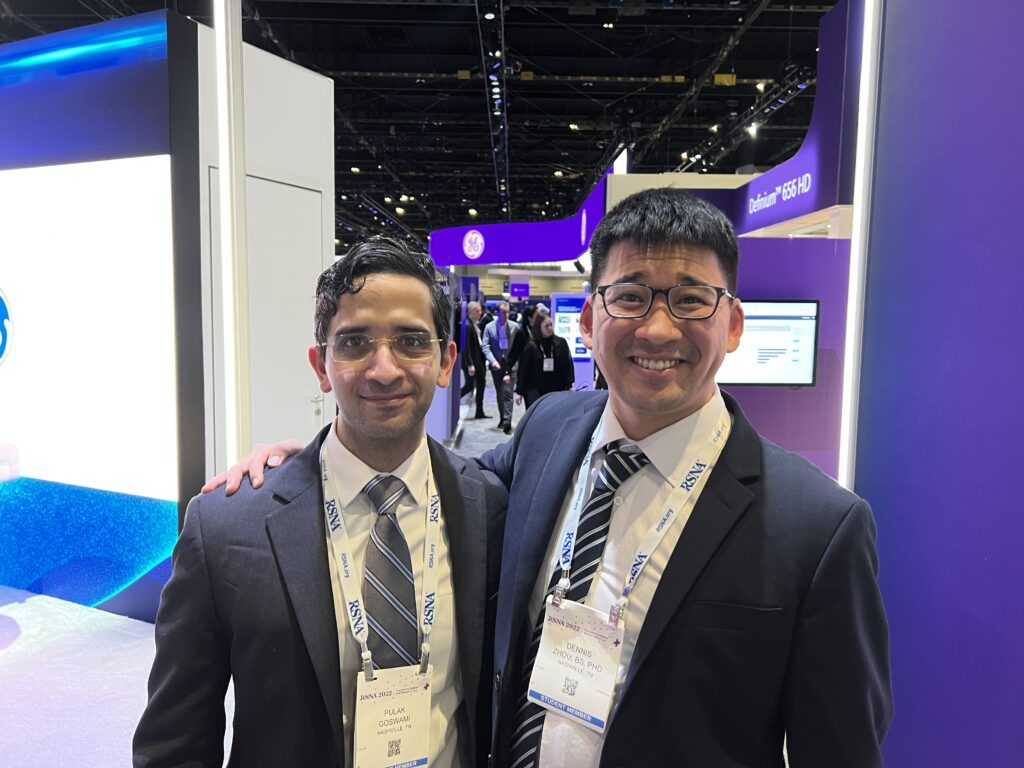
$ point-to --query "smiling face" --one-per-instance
(382, 400)
(660, 369)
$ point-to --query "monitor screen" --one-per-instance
(779, 345)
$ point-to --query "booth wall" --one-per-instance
(289, 162)
(804, 420)
(940, 408)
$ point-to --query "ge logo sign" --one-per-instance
(473, 244)
(5, 327)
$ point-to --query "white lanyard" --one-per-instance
(691, 486)
(350, 587)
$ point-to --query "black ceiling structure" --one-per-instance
(514, 108)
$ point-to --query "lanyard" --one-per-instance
(691, 486)
(350, 587)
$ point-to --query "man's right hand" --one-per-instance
(263, 454)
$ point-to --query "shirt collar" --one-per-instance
(663, 447)
(353, 473)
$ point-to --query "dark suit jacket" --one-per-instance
(250, 599)
(767, 621)
(472, 353)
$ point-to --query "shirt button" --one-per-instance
(618, 501)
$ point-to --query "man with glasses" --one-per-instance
(329, 593)
(675, 589)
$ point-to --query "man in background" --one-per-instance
(498, 339)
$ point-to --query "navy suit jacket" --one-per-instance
(250, 599)
(767, 621)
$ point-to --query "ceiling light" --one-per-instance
(497, 54)
(714, 128)
(344, 197)
(400, 211)
(608, 25)
(489, 16)
(760, 87)
(404, 198)
(411, 198)
(696, 157)
(752, 130)
(387, 200)
(493, 77)
(495, 95)
(559, 174)
(495, 89)
(574, 126)
(684, 156)
(337, 241)
(497, 112)
(354, 169)
(472, 211)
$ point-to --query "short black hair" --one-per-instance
(380, 255)
(666, 216)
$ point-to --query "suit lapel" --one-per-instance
(536, 523)
(462, 505)
(724, 500)
(298, 541)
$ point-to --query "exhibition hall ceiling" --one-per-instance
(454, 111)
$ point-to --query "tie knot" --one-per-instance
(384, 491)
(619, 465)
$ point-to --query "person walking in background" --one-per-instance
(474, 365)
(498, 339)
(545, 365)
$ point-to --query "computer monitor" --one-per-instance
(779, 345)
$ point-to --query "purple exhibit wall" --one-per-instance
(941, 415)
(803, 420)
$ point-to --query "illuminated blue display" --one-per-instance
(91, 93)
(84, 49)
(80, 544)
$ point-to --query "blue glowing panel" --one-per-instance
(80, 544)
(91, 93)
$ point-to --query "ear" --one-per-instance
(735, 325)
(316, 360)
(447, 363)
(587, 322)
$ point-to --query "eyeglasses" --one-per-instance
(356, 347)
(685, 302)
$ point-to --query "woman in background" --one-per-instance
(545, 364)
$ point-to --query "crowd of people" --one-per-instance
(520, 349)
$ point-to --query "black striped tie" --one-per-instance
(389, 591)
(591, 535)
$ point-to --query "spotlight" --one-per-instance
(387, 200)
(574, 127)
(354, 169)
(760, 87)
(404, 198)
(472, 212)
(684, 156)
(714, 128)
(752, 130)
(559, 174)
(489, 16)
(400, 211)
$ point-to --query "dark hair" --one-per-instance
(535, 323)
(666, 216)
(373, 256)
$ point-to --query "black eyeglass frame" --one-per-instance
(720, 292)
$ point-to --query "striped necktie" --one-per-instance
(389, 591)
(591, 534)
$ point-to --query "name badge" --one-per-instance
(549, 364)
(577, 663)
(393, 718)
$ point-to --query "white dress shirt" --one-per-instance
(639, 502)
(352, 475)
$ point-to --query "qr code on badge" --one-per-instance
(569, 686)
(394, 748)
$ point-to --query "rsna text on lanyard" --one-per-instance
(350, 586)
(691, 486)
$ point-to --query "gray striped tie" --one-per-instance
(591, 535)
(389, 591)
